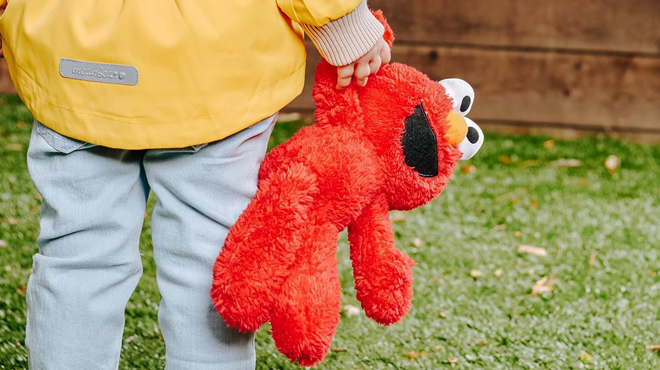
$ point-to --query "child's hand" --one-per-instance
(368, 64)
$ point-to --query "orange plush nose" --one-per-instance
(458, 128)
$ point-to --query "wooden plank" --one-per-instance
(599, 25)
(615, 93)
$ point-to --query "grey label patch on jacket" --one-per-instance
(99, 72)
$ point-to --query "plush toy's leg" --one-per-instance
(261, 246)
(383, 276)
(306, 313)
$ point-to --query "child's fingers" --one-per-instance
(375, 64)
(344, 75)
(362, 72)
(385, 55)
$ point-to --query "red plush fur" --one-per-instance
(348, 170)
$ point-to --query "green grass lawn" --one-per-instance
(473, 305)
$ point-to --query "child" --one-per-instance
(178, 97)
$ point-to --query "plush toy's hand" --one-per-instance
(383, 276)
(367, 65)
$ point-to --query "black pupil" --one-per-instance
(472, 135)
(465, 104)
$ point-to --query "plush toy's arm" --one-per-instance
(383, 276)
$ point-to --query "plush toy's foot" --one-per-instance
(306, 313)
(261, 247)
(383, 274)
(384, 288)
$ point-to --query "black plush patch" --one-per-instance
(419, 144)
(472, 135)
(465, 103)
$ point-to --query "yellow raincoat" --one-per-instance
(141, 74)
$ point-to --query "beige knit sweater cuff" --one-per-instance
(345, 40)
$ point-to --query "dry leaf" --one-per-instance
(498, 272)
(12, 221)
(499, 228)
(517, 233)
(549, 144)
(586, 358)
(351, 310)
(417, 242)
(568, 163)
(15, 147)
(3, 243)
(534, 204)
(442, 314)
(414, 355)
(535, 251)
(438, 347)
(21, 290)
(481, 342)
(20, 124)
(530, 271)
(452, 361)
(469, 168)
(476, 273)
(653, 347)
(505, 160)
(545, 285)
(612, 163)
(653, 274)
(398, 217)
(592, 260)
(584, 181)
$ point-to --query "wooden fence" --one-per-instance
(558, 67)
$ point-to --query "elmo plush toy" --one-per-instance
(390, 145)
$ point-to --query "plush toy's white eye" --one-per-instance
(461, 93)
(473, 140)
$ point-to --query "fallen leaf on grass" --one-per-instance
(498, 272)
(476, 273)
(481, 342)
(469, 168)
(653, 274)
(612, 163)
(14, 147)
(549, 144)
(442, 314)
(12, 221)
(438, 347)
(545, 285)
(535, 251)
(21, 290)
(586, 358)
(505, 160)
(517, 233)
(351, 310)
(653, 347)
(452, 361)
(414, 355)
(398, 217)
(592, 260)
(499, 228)
(563, 162)
(534, 204)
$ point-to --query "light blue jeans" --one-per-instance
(88, 264)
